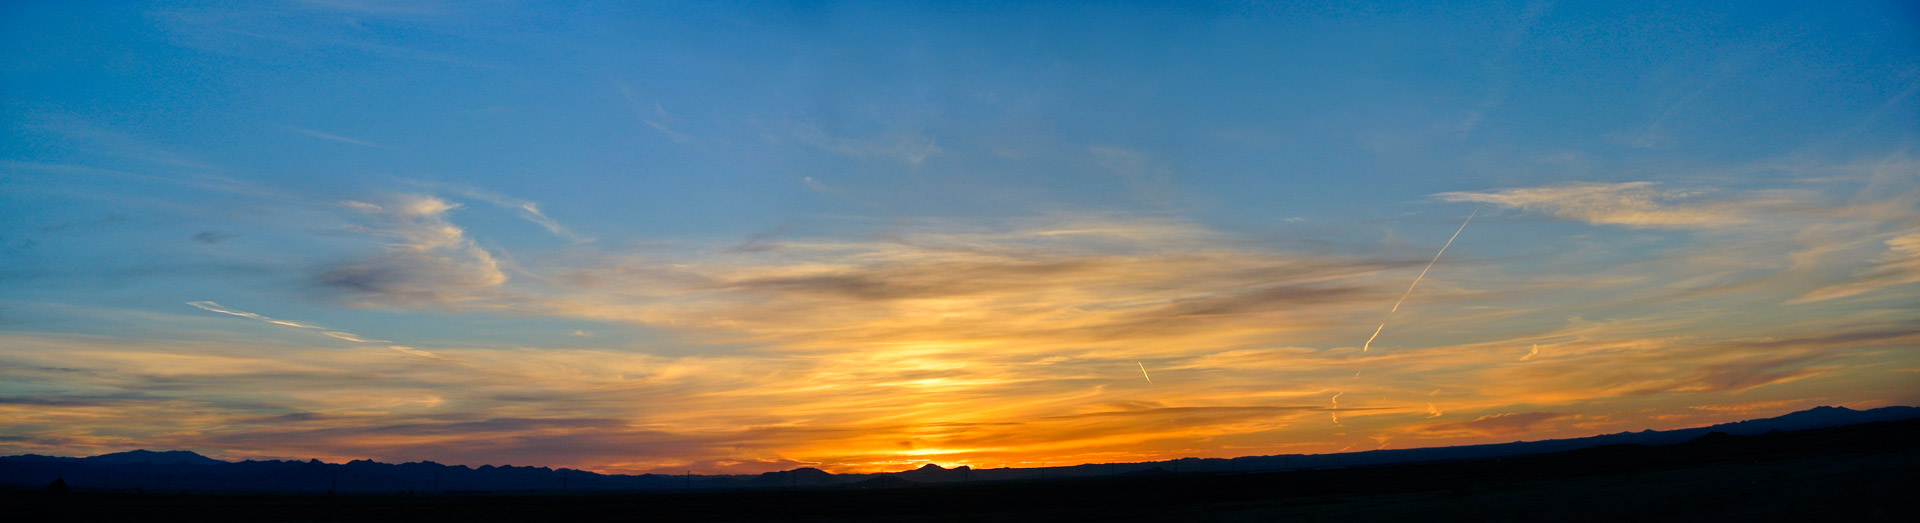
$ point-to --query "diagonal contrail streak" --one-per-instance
(1143, 372)
(1416, 279)
(1436, 258)
(1396, 308)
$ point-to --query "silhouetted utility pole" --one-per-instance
(689, 480)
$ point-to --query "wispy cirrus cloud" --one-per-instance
(1610, 360)
(494, 405)
(428, 260)
(1499, 425)
(1002, 342)
(1639, 205)
(1899, 265)
(904, 147)
(1016, 342)
(337, 138)
(1080, 284)
(658, 118)
(526, 209)
(1751, 406)
(1079, 281)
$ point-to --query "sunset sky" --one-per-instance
(739, 238)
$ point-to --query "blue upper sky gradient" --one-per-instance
(1020, 201)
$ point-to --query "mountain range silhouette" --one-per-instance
(186, 471)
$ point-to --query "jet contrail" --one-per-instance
(215, 307)
(1436, 258)
(1416, 279)
(1143, 372)
(346, 336)
(1530, 355)
(1336, 407)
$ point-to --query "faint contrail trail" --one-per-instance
(345, 336)
(1416, 279)
(1396, 308)
(1143, 372)
(1436, 258)
(1530, 355)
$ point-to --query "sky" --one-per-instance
(741, 237)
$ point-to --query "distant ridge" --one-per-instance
(148, 456)
(181, 470)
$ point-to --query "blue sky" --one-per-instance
(884, 219)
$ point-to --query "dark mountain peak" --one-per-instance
(932, 472)
(1814, 418)
(148, 456)
(804, 472)
(808, 476)
(37, 458)
(801, 472)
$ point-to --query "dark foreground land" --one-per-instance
(1868, 472)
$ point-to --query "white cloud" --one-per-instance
(1639, 205)
(910, 148)
(348, 336)
(337, 138)
(526, 209)
(1899, 265)
(430, 260)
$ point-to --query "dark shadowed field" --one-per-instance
(1865, 472)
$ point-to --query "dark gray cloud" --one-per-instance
(211, 237)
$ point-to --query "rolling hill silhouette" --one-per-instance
(171, 457)
(186, 471)
(1858, 472)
